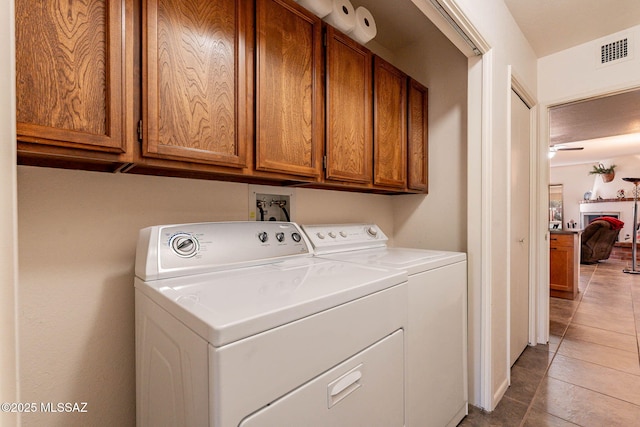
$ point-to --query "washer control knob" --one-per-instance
(280, 237)
(320, 235)
(263, 236)
(184, 245)
(371, 231)
(343, 234)
(332, 234)
(296, 237)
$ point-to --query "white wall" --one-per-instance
(576, 73)
(77, 246)
(8, 219)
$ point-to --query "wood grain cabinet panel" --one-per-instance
(390, 125)
(196, 80)
(70, 78)
(349, 139)
(289, 120)
(564, 265)
(418, 144)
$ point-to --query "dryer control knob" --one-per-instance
(296, 237)
(320, 235)
(332, 234)
(343, 234)
(263, 236)
(184, 245)
(372, 231)
(280, 237)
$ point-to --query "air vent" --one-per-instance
(613, 51)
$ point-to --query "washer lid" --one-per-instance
(411, 260)
(227, 306)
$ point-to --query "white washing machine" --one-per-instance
(436, 336)
(237, 324)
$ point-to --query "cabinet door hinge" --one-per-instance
(140, 130)
(324, 162)
(324, 39)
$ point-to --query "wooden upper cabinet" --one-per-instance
(349, 140)
(69, 75)
(418, 134)
(289, 121)
(197, 80)
(390, 125)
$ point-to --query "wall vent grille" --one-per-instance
(613, 51)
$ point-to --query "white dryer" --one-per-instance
(237, 324)
(436, 374)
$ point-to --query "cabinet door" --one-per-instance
(418, 144)
(349, 127)
(389, 125)
(562, 268)
(197, 80)
(288, 89)
(69, 74)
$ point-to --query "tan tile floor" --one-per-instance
(589, 373)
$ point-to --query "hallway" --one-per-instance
(589, 373)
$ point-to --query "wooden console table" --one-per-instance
(564, 261)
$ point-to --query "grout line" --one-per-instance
(555, 353)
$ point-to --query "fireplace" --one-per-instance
(587, 217)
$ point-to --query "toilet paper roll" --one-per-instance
(365, 29)
(342, 16)
(320, 8)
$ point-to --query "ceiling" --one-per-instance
(555, 25)
(616, 114)
(605, 128)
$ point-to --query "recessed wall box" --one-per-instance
(268, 203)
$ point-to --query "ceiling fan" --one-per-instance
(562, 147)
(553, 149)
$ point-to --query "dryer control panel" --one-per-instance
(178, 250)
(329, 238)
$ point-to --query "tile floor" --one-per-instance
(589, 373)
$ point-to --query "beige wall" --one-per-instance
(439, 220)
(77, 247)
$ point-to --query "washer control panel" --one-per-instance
(175, 250)
(341, 237)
